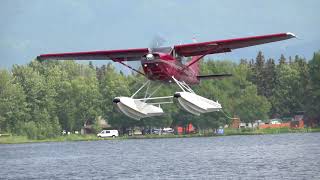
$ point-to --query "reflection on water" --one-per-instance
(283, 156)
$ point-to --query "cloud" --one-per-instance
(30, 28)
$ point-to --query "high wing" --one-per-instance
(115, 55)
(220, 46)
(193, 49)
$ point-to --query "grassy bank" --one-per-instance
(24, 139)
(268, 131)
(227, 132)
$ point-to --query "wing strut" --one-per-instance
(197, 58)
(131, 68)
(194, 60)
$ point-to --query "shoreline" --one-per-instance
(228, 132)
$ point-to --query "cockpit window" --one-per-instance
(166, 50)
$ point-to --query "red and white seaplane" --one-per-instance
(166, 64)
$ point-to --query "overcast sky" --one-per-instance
(32, 27)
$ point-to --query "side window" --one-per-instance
(107, 132)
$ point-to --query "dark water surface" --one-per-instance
(283, 156)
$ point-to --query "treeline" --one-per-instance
(42, 99)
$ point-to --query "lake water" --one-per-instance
(282, 156)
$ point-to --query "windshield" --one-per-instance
(166, 50)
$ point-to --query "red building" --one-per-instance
(185, 130)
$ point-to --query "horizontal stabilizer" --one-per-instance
(213, 76)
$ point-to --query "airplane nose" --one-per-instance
(116, 100)
(177, 95)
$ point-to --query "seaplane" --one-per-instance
(168, 65)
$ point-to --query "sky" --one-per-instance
(33, 27)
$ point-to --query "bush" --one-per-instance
(246, 130)
(35, 130)
(31, 130)
(96, 126)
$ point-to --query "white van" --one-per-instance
(167, 131)
(108, 133)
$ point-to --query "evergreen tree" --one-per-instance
(313, 98)
(258, 76)
(282, 60)
(284, 99)
(270, 78)
(91, 66)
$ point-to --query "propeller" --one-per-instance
(156, 42)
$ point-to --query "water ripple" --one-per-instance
(282, 156)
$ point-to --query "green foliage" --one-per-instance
(30, 129)
(285, 96)
(251, 107)
(39, 100)
(313, 91)
(13, 106)
(96, 126)
(39, 130)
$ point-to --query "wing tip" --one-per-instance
(291, 35)
(39, 58)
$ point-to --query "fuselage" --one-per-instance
(164, 66)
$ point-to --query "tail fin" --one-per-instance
(213, 76)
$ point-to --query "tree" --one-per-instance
(91, 66)
(269, 78)
(313, 98)
(282, 60)
(259, 74)
(285, 99)
(251, 106)
(78, 97)
(39, 96)
(86, 99)
(40, 99)
(111, 86)
(13, 106)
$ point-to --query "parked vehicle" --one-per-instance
(156, 131)
(108, 133)
(163, 131)
(167, 131)
(146, 131)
